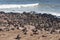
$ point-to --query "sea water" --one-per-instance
(42, 6)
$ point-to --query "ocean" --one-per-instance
(42, 6)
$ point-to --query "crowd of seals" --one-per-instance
(12, 21)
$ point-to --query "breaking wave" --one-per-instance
(18, 5)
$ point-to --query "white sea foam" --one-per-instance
(53, 13)
(17, 5)
(15, 8)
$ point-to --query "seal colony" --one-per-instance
(29, 26)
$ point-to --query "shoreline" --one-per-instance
(58, 16)
(29, 26)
